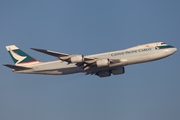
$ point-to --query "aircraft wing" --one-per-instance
(49, 52)
(61, 56)
(79, 60)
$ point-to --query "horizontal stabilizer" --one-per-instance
(16, 67)
(49, 52)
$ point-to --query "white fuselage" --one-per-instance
(134, 55)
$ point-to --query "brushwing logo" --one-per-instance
(16, 56)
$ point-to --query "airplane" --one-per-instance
(102, 65)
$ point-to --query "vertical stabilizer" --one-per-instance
(19, 56)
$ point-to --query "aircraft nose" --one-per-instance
(175, 49)
(171, 50)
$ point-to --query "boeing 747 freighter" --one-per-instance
(102, 65)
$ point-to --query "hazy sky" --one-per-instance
(147, 91)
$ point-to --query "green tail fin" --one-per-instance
(19, 56)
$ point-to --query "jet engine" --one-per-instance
(102, 62)
(76, 58)
(104, 74)
(119, 70)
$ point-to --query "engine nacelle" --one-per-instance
(117, 71)
(102, 62)
(76, 58)
(104, 74)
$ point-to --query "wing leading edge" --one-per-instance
(49, 52)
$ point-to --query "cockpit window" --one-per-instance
(163, 43)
